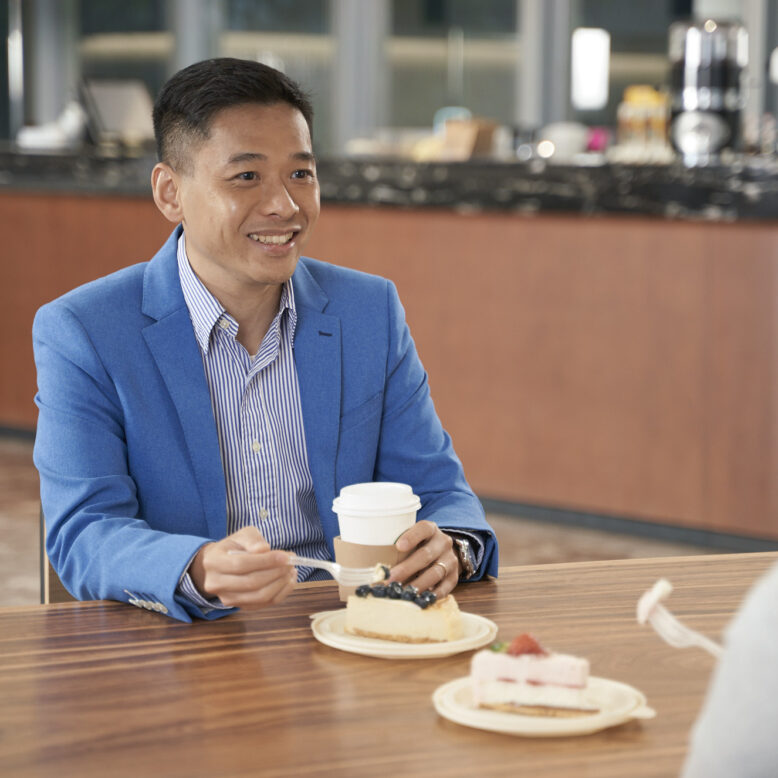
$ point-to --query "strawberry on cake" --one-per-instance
(522, 677)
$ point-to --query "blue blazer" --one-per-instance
(132, 483)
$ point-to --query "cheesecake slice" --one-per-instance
(522, 677)
(402, 614)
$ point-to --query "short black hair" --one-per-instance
(188, 101)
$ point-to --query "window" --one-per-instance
(451, 53)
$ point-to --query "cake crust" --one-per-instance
(401, 621)
(539, 710)
(394, 638)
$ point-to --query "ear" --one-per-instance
(165, 186)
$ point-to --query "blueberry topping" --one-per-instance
(385, 570)
(396, 591)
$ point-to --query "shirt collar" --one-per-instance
(206, 311)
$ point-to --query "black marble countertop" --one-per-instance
(743, 189)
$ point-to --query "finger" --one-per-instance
(269, 594)
(417, 534)
(287, 590)
(443, 584)
(248, 539)
(441, 577)
(248, 582)
(425, 555)
(254, 586)
(413, 565)
(234, 562)
(445, 587)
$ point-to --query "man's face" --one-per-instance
(250, 199)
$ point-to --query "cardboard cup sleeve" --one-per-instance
(357, 555)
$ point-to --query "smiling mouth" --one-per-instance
(273, 240)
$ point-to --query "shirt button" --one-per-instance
(224, 324)
(256, 446)
(263, 514)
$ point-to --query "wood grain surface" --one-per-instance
(622, 366)
(93, 689)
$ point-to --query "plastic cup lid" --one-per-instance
(377, 496)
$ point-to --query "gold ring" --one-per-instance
(445, 569)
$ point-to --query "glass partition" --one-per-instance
(119, 39)
(5, 116)
(638, 31)
(455, 53)
(437, 53)
(293, 36)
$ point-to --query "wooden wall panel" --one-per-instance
(50, 244)
(740, 383)
(617, 365)
(621, 366)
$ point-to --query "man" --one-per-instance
(216, 398)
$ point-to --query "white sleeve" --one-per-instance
(736, 733)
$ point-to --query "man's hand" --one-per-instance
(432, 563)
(252, 578)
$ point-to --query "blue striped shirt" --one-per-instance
(259, 422)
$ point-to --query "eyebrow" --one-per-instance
(254, 156)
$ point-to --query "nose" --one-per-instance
(277, 200)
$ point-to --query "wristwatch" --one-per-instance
(465, 555)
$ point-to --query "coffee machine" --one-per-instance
(708, 61)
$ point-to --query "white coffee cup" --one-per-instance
(375, 514)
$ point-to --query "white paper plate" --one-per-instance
(617, 703)
(328, 628)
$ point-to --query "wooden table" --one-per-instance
(93, 689)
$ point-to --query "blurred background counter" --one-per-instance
(599, 339)
(742, 189)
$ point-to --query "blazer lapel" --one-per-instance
(174, 348)
(317, 351)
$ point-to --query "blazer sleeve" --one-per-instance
(96, 538)
(415, 448)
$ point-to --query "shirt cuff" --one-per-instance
(187, 589)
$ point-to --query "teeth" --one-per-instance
(274, 239)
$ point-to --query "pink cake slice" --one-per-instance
(525, 678)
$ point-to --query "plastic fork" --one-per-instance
(345, 576)
(667, 626)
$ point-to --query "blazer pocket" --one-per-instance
(362, 413)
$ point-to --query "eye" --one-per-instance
(248, 175)
(303, 173)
